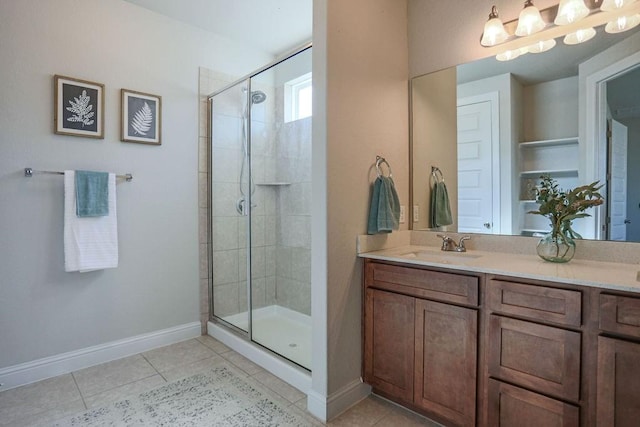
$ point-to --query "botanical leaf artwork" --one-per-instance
(142, 120)
(81, 109)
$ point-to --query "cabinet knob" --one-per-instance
(487, 225)
(627, 221)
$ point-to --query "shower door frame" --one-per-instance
(247, 78)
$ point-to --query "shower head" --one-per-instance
(258, 97)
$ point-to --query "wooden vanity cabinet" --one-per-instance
(618, 368)
(528, 353)
(419, 348)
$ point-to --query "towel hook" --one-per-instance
(380, 161)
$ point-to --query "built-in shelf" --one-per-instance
(557, 158)
(549, 142)
(272, 184)
(553, 173)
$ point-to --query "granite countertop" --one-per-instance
(608, 275)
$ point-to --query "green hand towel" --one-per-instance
(92, 193)
(440, 207)
(384, 211)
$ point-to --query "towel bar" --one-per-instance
(28, 172)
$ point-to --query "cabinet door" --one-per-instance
(446, 361)
(618, 402)
(511, 406)
(389, 343)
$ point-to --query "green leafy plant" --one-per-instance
(562, 207)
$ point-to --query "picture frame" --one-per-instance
(78, 107)
(141, 119)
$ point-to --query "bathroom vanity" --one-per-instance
(500, 339)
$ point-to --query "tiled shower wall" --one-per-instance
(281, 153)
(293, 270)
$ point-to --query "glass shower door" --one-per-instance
(230, 195)
(280, 145)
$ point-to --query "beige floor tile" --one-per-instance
(47, 417)
(275, 384)
(242, 362)
(213, 344)
(365, 414)
(31, 399)
(124, 391)
(190, 369)
(106, 376)
(182, 353)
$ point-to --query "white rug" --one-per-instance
(217, 397)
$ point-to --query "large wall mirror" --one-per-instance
(490, 129)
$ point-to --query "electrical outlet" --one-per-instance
(402, 214)
(416, 213)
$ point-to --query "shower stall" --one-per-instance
(260, 207)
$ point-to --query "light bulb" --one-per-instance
(494, 32)
(609, 5)
(570, 11)
(541, 46)
(580, 36)
(530, 20)
(622, 23)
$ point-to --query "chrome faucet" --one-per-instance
(449, 245)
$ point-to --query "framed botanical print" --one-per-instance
(79, 107)
(141, 117)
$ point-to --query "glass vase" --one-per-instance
(556, 247)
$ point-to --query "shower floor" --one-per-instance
(281, 330)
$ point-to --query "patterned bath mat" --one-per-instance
(217, 397)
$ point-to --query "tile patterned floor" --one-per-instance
(67, 394)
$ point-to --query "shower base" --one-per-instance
(281, 330)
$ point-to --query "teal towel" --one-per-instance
(92, 193)
(440, 207)
(384, 212)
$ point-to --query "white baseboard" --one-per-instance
(327, 408)
(29, 372)
(346, 397)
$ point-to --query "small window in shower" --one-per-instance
(298, 98)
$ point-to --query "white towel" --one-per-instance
(90, 243)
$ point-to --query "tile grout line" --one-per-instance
(154, 368)
(79, 391)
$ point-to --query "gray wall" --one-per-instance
(43, 310)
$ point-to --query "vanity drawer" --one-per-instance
(437, 285)
(538, 357)
(620, 314)
(560, 306)
(513, 406)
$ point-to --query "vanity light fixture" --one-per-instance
(570, 11)
(621, 23)
(529, 21)
(573, 20)
(579, 36)
(494, 32)
(542, 46)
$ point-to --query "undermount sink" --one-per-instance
(441, 256)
